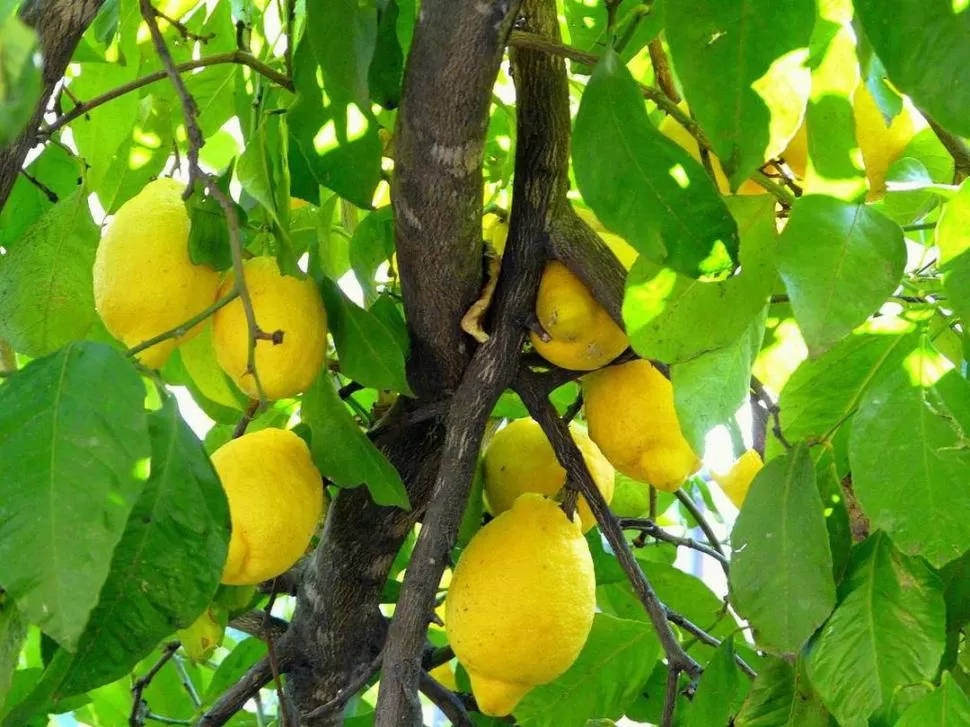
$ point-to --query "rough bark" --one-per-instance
(60, 25)
(539, 192)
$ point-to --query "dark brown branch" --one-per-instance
(245, 419)
(237, 57)
(274, 665)
(699, 518)
(138, 707)
(670, 698)
(661, 70)
(541, 183)
(772, 408)
(957, 147)
(650, 528)
(343, 696)
(260, 624)
(442, 697)
(60, 25)
(572, 460)
(704, 637)
(235, 698)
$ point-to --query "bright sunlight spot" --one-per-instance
(142, 468)
(198, 420)
(926, 366)
(679, 175)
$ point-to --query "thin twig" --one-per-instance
(238, 694)
(655, 531)
(273, 662)
(246, 418)
(187, 681)
(48, 192)
(182, 328)
(434, 658)
(699, 518)
(958, 148)
(238, 57)
(574, 408)
(354, 686)
(152, 717)
(290, 36)
(183, 29)
(449, 704)
(704, 637)
(670, 697)
(261, 624)
(661, 70)
(139, 709)
(759, 390)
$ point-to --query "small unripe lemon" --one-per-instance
(280, 302)
(200, 639)
(521, 459)
(737, 481)
(521, 603)
(144, 281)
(631, 416)
(275, 502)
(584, 337)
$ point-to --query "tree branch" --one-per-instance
(541, 183)
(699, 518)
(661, 70)
(704, 637)
(138, 707)
(182, 328)
(772, 408)
(442, 697)
(655, 531)
(957, 147)
(238, 694)
(238, 57)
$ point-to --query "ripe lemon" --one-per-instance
(275, 501)
(521, 603)
(584, 337)
(280, 302)
(880, 145)
(144, 281)
(736, 481)
(631, 416)
(521, 459)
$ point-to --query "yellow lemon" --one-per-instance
(280, 302)
(584, 337)
(631, 416)
(445, 675)
(521, 603)
(495, 230)
(275, 502)
(144, 282)
(736, 481)
(880, 145)
(624, 251)
(521, 459)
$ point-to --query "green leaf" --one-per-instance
(607, 676)
(13, 631)
(836, 513)
(720, 691)
(344, 55)
(368, 352)
(260, 169)
(73, 450)
(911, 461)
(709, 390)
(56, 169)
(953, 241)
(923, 45)
(246, 653)
(839, 263)
(636, 25)
(946, 706)
(825, 391)
(343, 453)
(956, 578)
(781, 698)
(887, 631)
(743, 71)
(642, 185)
(168, 564)
(781, 572)
(674, 318)
(46, 283)
(21, 81)
(209, 229)
(371, 245)
(335, 146)
(387, 65)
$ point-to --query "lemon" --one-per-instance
(199, 359)
(584, 337)
(521, 459)
(144, 282)
(521, 602)
(445, 675)
(631, 416)
(624, 251)
(275, 502)
(630, 497)
(280, 302)
(736, 481)
(206, 633)
(880, 145)
(495, 231)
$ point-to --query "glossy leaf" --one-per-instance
(642, 185)
(58, 171)
(344, 56)
(781, 572)
(780, 697)
(342, 452)
(605, 678)
(73, 458)
(46, 281)
(674, 318)
(824, 245)
(749, 108)
(887, 631)
(20, 76)
(923, 46)
(953, 241)
(945, 706)
(910, 461)
(720, 691)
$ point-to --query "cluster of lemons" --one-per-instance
(271, 526)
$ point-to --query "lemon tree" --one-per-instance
(540, 362)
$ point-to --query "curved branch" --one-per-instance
(238, 694)
(449, 704)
